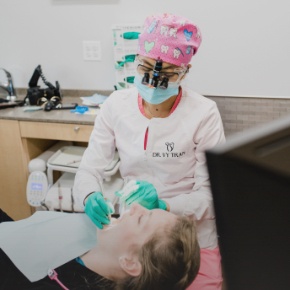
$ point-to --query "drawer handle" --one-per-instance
(76, 128)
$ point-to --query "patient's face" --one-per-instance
(137, 225)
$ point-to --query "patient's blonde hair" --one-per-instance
(170, 259)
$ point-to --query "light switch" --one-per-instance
(92, 50)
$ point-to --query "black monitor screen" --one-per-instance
(250, 180)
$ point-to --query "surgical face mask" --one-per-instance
(157, 95)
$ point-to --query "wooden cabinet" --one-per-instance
(20, 142)
(13, 173)
(57, 131)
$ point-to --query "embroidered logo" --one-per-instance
(170, 146)
(170, 153)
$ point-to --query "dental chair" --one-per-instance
(45, 193)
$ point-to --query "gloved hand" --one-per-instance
(98, 209)
(141, 192)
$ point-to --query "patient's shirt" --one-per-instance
(46, 240)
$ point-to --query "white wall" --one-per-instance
(245, 49)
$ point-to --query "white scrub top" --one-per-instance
(173, 161)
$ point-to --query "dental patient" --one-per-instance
(144, 249)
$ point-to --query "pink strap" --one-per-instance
(53, 276)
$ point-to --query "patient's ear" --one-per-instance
(131, 265)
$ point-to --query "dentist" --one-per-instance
(161, 130)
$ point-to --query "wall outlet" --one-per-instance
(92, 50)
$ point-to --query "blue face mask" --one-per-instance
(157, 95)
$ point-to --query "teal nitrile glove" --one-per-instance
(141, 192)
(98, 209)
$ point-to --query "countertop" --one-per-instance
(53, 116)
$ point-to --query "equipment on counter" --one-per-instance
(51, 105)
(38, 96)
(11, 100)
(8, 86)
(10, 104)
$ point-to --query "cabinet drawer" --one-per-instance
(56, 131)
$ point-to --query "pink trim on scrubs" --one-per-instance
(209, 276)
(141, 108)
